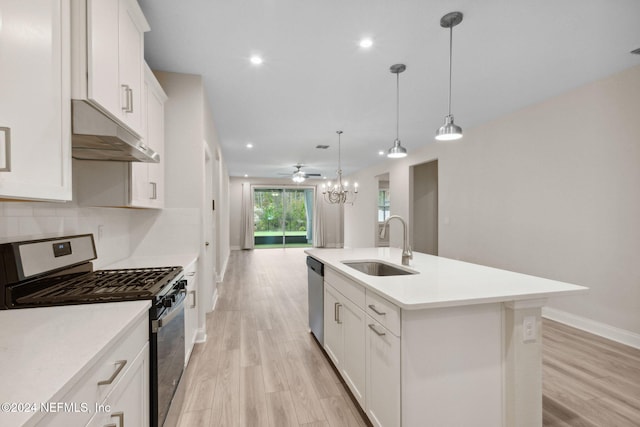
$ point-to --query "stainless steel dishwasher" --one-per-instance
(315, 271)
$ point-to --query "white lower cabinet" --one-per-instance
(344, 339)
(113, 389)
(365, 353)
(128, 403)
(383, 375)
(190, 310)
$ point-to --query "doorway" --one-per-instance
(424, 199)
(283, 217)
(383, 209)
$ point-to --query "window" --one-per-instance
(383, 204)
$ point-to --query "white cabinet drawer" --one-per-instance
(385, 312)
(129, 400)
(101, 378)
(346, 287)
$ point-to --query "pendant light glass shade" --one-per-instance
(397, 151)
(450, 131)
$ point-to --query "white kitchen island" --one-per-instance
(455, 344)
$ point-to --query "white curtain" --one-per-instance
(308, 207)
(318, 223)
(246, 232)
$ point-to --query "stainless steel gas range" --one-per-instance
(59, 271)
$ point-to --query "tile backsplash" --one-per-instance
(110, 227)
(117, 232)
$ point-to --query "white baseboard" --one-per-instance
(334, 245)
(223, 270)
(597, 328)
(214, 300)
(201, 335)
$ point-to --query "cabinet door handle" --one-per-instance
(154, 191)
(193, 273)
(127, 100)
(336, 312)
(379, 313)
(130, 101)
(120, 417)
(374, 329)
(113, 376)
(194, 299)
(7, 149)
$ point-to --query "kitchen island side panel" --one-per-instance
(452, 372)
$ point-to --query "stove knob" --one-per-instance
(167, 302)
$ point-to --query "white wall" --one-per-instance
(550, 190)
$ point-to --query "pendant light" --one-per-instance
(397, 151)
(450, 131)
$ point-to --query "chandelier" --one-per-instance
(339, 193)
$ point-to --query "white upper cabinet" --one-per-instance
(129, 184)
(35, 115)
(147, 179)
(108, 58)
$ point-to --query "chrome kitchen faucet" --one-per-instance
(406, 249)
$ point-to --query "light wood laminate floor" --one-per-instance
(261, 367)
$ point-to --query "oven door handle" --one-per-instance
(165, 320)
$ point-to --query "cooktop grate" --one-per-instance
(106, 285)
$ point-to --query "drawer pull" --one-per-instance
(113, 376)
(154, 190)
(193, 305)
(191, 273)
(374, 329)
(120, 417)
(379, 313)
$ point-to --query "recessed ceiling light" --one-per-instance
(380, 153)
(249, 145)
(366, 43)
(246, 176)
(256, 60)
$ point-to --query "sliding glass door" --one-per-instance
(283, 217)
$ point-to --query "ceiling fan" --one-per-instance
(298, 176)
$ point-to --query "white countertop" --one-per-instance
(44, 351)
(171, 260)
(441, 282)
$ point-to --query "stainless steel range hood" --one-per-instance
(95, 136)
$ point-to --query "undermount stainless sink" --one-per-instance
(378, 268)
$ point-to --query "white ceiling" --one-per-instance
(315, 79)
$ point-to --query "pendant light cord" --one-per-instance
(397, 105)
(450, 55)
(339, 164)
